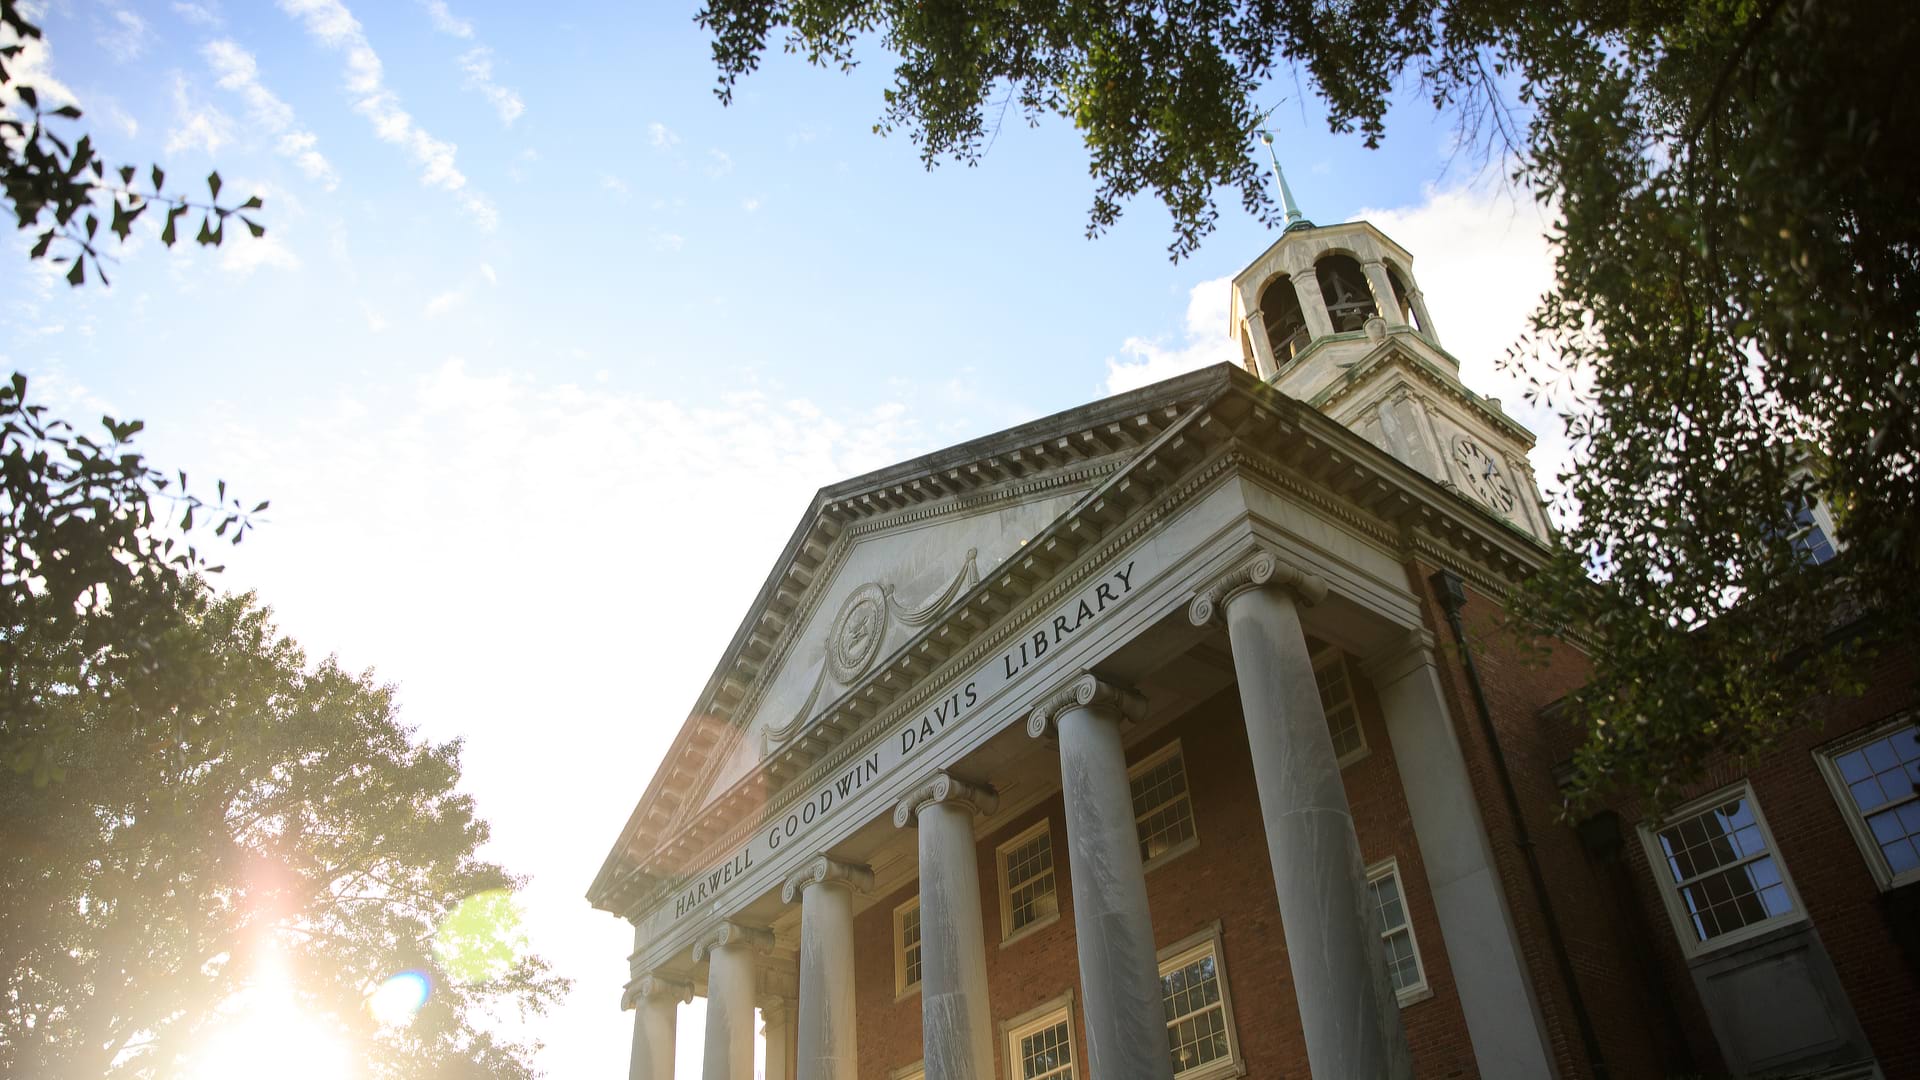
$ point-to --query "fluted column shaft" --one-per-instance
(956, 1020)
(827, 1049)
(656, 1004)
(730, 952)
(1119, 971)
(1348, 1013)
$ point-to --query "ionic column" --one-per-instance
(655, 1001)
(729, 950)
(1347, 1008)
(1496, 995)
(956, 1022)
(776, 1023)
(1119, 972)
(825, 889)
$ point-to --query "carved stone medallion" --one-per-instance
(855, 637)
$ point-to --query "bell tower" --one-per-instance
(1332, 315)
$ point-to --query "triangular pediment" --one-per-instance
(876, 559)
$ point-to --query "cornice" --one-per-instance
(1391, 350)
(1243, 425)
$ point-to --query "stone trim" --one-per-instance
(1088, 691)
(1261, 569)
(824, 869)
(727, 932)
(939, 787)
(647, 987)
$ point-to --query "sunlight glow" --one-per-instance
(268, 1034)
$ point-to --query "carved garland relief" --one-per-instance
(858, 634)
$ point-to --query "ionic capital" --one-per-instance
(1259, 570)
(824, 869)
(655, 987)
(725, 933)
(941, 787)
(1085, 691)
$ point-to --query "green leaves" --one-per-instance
(47, 182)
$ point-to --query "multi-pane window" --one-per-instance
(1162, 806)
(906, 946)
(1809, 538)
(1042, 1049)
(1391, 922)
(1720, 876)
(1876, 779)
(1027, 894)
(1196, 1015)
(1336, 700)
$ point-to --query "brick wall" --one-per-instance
(1626, 956)
(1226, 877)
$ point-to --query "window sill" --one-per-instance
(911, 991)
(1030, 929)
(1414, 995)
(1171, 854)
(1212, 1070)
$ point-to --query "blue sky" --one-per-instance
(546, 349)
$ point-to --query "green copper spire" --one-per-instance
(1294, 218)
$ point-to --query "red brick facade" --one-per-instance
(1633, 979)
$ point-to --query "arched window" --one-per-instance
(1402, 301)
(1344, 286)
(1286, 324)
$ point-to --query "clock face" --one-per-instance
(1481, 474)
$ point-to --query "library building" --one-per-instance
(1170, 736)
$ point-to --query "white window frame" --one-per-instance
(901, 987)
(1134, 772)
(1045, 1015)
(1677, 914)
(1007, 935)
(1333, 657)
(1825, 756)
(915, 1071)
(1390, 867)
(1179, 955)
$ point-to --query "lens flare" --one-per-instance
(481, 938)
(399, 998)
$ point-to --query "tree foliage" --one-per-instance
(1732, 333)
(273, 813)
(59, 188)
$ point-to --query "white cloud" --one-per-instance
(750, 204)
(610, 182)
(33, 66)
(478, 64)
(376, 322)
(445, 21)
(1205, 342)
(242, 254)
(333, 26)
(662, 136)
(444, 303)
(719, 163)
(125, 35)
(198, 14)
(487, 271)
(235, 69)
(452, 478)
(123, 120)
(1481, 258)
(197, 125)
(666, 241)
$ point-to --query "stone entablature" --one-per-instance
(1243, 430)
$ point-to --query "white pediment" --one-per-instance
(889, 585)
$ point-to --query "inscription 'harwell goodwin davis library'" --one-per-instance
(906, 741)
